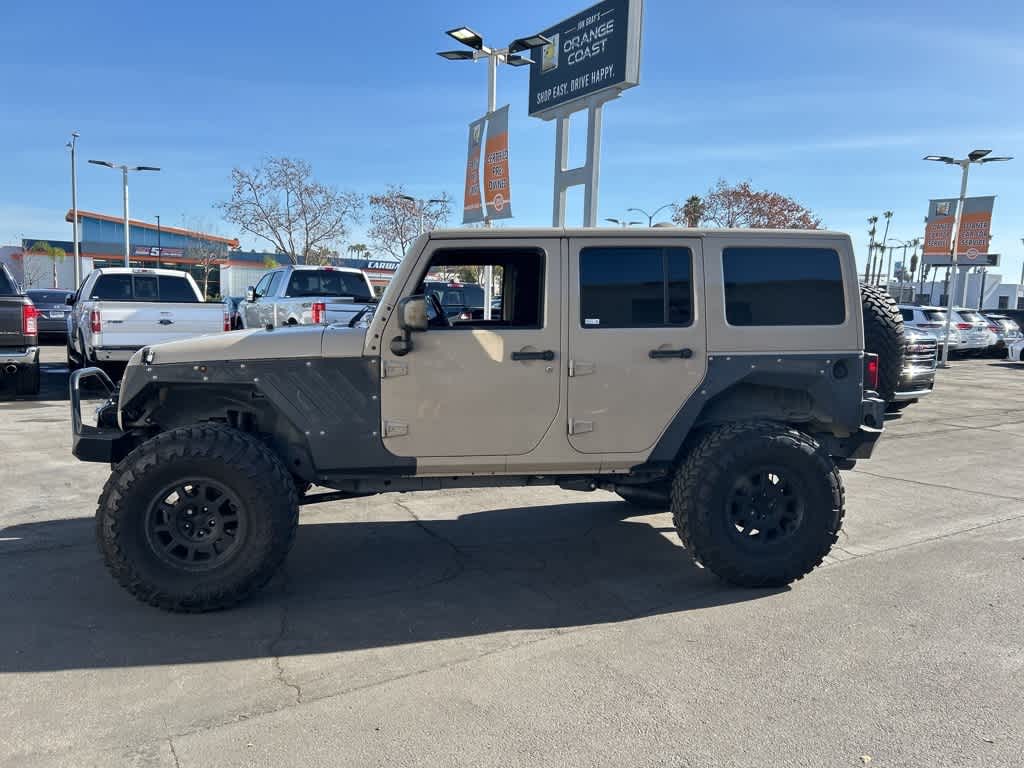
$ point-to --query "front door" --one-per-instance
(475, 387)
(637, 342)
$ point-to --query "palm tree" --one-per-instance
(359, 250)
(52, 252)
(693, 210)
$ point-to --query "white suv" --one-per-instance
(933, 320)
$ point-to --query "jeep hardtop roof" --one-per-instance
(639, 232)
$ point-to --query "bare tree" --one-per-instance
(740, 205)
(395, 222)
(207, 255)
(34, 271)
(281, 203)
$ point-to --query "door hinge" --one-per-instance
(579, 427)
(579, 368)
(395, 428)
(391, 369)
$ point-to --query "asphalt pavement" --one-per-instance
(536, 627)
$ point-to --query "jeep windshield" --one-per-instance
(328, 283)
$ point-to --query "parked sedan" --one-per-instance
(973, 329)
(1015, 351)
(52, 305)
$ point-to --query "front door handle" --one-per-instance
(547, 354)
(656, 354)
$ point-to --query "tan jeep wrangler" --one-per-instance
(719, 374)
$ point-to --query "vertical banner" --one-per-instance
(472, 208)
(975, 226)
(498, 188)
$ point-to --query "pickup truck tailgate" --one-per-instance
(10, 322)
(135, 324)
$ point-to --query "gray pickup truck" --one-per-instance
(19, 336)
(307, 295)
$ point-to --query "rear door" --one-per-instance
(637, 342)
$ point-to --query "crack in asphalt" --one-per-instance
(937, 485)
(174, 752)
(279, 672)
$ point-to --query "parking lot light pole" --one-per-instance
(420, 206)
(978, 156)
(511, 55)
(124, 176)
(650, 216)
(74, 207)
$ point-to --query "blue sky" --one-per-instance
(833, 104)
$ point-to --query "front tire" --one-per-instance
(758, 504)
(197, 519)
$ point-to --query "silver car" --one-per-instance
(973, 329)
(1006, 332)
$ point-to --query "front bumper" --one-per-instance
(914, 384)
(103, 443)
(20, 357)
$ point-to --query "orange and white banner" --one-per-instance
(975, 228)
(472, 207)
(497, 185)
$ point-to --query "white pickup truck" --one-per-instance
(118, 311)
(308, 295)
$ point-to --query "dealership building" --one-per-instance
(101, 244)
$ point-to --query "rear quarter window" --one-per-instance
(783, 286)
(908, 314)
(6, 285)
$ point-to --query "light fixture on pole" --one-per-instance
(623, 223)
(650, 216)
(124, 175)
(74, 207)
(977, 156)
(420, 206)
(511, 55)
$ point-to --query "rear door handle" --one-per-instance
(656, 354)
(547, 354)
(165, 321)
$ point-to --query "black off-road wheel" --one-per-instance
(758, 504)
(883, 336)
(197, 519)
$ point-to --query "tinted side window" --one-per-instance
(908, 314)
(783, 286)
(176, 289)
(6, 287)
(275, 281)
(635, 287)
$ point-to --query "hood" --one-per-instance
(255, 344)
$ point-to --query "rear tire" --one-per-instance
(197, 519)
(883, 336)
(758, 504)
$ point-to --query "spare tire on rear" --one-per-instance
(883, 336)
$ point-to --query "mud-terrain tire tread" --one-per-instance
(211, 443)
(693, 500)
(883, 336)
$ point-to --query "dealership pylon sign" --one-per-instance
(592, 57)
(975, 227)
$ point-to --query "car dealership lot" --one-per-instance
(537, 626)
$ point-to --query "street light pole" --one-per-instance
(650, 216)
(975, 156)
(124, 181)
(74, 208)
(872, 220)
(510, 54)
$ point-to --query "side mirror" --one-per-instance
(70, 300)
(412, 316)
(250, 294)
